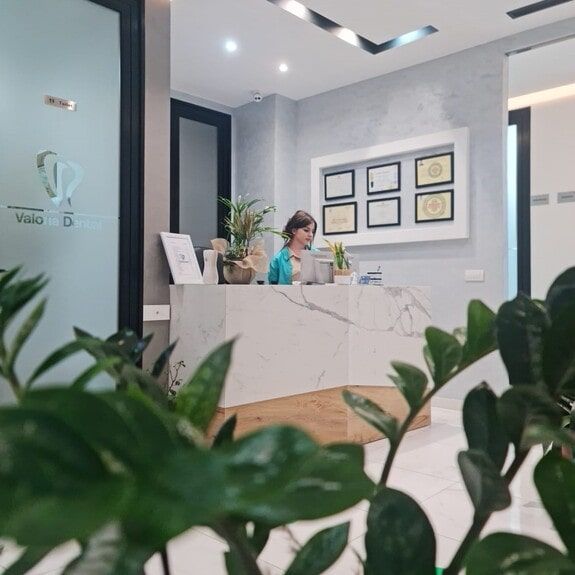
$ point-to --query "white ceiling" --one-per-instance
(267, 35)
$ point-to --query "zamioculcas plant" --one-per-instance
(122, 472)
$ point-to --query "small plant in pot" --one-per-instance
(341, 263)
(243, 252)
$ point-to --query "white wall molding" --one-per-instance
(457, 229)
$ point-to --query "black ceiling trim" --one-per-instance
(343, 33)
(535, 7)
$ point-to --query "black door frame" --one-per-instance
(223, 123)
(131, 253)
(522, 119)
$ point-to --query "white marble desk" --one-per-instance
(305, 342)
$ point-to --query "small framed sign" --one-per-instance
(340, 219)
(383, 213)
(434, 206)
(339, 185)
(181, 258)
(434, 170)
(384, 178)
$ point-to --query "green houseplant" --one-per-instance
(113, 485)
(243, 251)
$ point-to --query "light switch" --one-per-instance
(156, 312)
(474, 275)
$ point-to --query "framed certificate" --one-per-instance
(434, 206)
(383, 213)
(340, 219)
(384, 178)
(339, 185)
(181, 258)
(434, 170)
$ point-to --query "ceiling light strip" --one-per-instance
(535, 7)
(347, 35)
(542, 97)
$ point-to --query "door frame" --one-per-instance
(522, 119)
(131, 240)
(223, 123)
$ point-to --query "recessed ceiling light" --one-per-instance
(283, 67)
(231, 46)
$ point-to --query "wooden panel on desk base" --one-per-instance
(323, 414)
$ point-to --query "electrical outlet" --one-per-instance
(474, 275)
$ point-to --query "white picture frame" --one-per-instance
(182, 258)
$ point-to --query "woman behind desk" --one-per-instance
(285, 266)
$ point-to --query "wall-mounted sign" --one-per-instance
(69, 105)
(565, 197)
(541, 200)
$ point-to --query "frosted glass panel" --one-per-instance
(198, 181)
(59, 169)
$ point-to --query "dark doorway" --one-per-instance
(201, 165)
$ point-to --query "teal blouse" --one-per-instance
(280, 270)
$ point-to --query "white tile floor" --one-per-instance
(425, 468)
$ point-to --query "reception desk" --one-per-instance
(299, 347)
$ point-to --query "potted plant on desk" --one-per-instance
(243, 253)
(341, 263)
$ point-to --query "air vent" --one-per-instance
(536, 7)
(347, 35)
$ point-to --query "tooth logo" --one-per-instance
(60, 178)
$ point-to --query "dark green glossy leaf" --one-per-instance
(129, 343)
(561, 294)
(521, 328)
(555, 480)
(14, 297)
(162, 361)
(542, 434)
(559, 350)
(411, 382)
(320, 552)
(442, 353)
(54, 359)
(24, 332)
(486, 487)
(31, 557)
(511, 554)
(7, 277)
(483, 428)
(373, 414)
(523, 406)
(132, 375)
(108, 551)
(399, 538)
(198, 398)
(225, 434)
(481, 337)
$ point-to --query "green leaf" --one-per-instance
(24, 333)
(7, 277)
(559, 350)
(523, 406)
(373, 414)
(29, 559)
(198, 399)
(399, 538)
(102, 366)
(163, 358)
(54, 359)
(483, 428)
(511, 554)
(442, 353)
(411, 382)
(486, 487)
(320, 552)
(561, 294)
(129, 343)
(14, 297)
(481, 337)
(542, 434)
(108, 551)
(521, 328)
(132, 375)
(225, 434)
(555, 481)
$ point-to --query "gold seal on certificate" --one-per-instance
(340, 219)
(434, 170)
(434, 206)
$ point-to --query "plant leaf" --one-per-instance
(521, 327)
(163, 358)
(54, 359)
(442, 353)
(486, 487)
(482, 426)
(198, 399)
(399, 538)
(102, 366)
(225, 434)
(24, 332)
(561, 294)
(373, 414)
(511, 554)
(320, 552)
(29, 559)
(555, 481)
(481, 334)
(559, 350)
(411, 382)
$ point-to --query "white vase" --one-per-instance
(210, 274)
